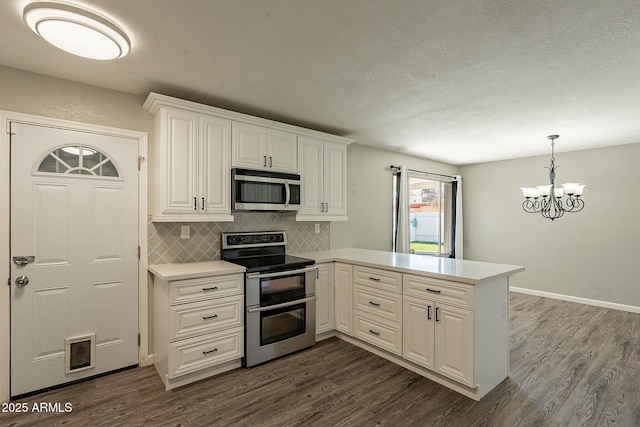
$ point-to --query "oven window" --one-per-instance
(283, 323)
(282, 289)
(260, 192)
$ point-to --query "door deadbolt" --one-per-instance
(22, 281)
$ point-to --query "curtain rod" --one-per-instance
(426, 173)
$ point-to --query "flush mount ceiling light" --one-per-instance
(547, 199)
(76, 30)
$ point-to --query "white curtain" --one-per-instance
(402, 233)
(458, 213)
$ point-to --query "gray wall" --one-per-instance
(30, 93)
(592, 254)
(369, 192)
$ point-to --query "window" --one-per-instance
(78, 160)
(424, 219)
(429, 216)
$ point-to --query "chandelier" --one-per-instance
(547, 199)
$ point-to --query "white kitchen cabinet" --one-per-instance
(324, 298)
(191, 173)
(323, 170)
(439, 330)
(258, 147)
(377, 307)
(198, 327)
(343, 298)
(439, 337)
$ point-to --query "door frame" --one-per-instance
(144, 358)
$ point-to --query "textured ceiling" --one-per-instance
(462, 82)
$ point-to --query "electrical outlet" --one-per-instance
(317, 228)
(185, 231)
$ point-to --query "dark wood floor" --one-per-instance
(571, 365)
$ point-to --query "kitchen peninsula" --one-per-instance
(445, 319)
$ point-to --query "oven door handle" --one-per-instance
(276, 306)
(280, 273)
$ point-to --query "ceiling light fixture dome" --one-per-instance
(77, 31)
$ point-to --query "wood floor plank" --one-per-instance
(571, 365)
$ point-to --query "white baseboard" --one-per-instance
(579, 300)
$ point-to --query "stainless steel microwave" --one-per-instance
(256, 190)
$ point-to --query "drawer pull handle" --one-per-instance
(210, 351)
(215, 288)
(428, 312)
(374, 332)
(209, 317)
(437, 311)
(375, 304)
(434, 291)
(375, 279)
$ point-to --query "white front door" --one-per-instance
(74, 255)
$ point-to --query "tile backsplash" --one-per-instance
(165, 244)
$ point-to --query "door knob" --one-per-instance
(22, 281)
(23, 260)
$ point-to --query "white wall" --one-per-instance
(592, 254)
(369, 196)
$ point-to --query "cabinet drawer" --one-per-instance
(194, 354)
(439, 290)
(381, 279)
(187, 320)
(383, 335)
(377, 302)
(188, 290)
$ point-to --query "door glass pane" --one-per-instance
(429, 216)
(78, 160)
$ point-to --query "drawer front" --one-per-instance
(377, 302)
(188, 320)
(439, 290)
(386, 336)
(189, 290)
(194, 354)
(381, 279)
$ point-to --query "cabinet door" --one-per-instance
(214, 157)
(310, 161)
(418, 338)
(324, 298)
(454, 343)
(282, 151)
(335, 178)
(343, 298)
(249, 146)
(179, 133)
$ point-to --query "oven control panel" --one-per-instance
(253, 239)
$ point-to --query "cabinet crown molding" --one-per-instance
(155, 101)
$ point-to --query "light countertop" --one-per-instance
(192, 270)
(471, 272)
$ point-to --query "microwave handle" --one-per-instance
(287, 191)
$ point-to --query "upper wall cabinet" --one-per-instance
(323, 170)
(192, 154)
(257, 147)
(196, 146)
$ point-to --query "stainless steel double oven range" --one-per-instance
(280, 306)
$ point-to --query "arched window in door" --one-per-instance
(78, 160)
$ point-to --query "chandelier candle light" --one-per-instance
(547, 199)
